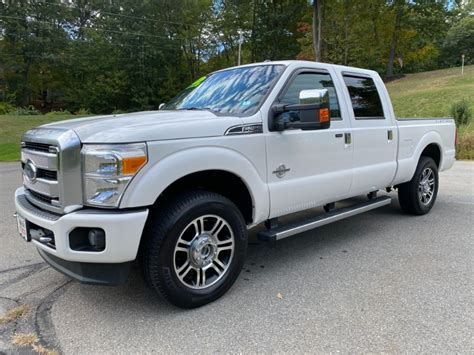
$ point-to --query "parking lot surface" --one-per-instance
(378, 282)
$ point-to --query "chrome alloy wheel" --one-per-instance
(204, 251)
(426, 186)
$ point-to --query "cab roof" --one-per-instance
(305, 63)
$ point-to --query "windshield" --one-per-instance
(233, 91)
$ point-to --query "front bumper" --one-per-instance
(123, 231)
(89, 273)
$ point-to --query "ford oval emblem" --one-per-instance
(30, 171)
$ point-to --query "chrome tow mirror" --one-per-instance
(311, 113)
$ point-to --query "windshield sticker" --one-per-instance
(197, 82)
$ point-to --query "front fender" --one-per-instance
(150, 182)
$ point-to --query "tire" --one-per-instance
(180, 248)
(418, 195)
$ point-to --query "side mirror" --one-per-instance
(311, 113)
(315, 96)
(161, 106)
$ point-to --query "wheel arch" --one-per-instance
(218, 181)
(429, 145)
(226, 170)
(433, 151)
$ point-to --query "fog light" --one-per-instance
(97, 239)
(87, 239)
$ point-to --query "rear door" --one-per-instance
(309, 168)
(374, 133)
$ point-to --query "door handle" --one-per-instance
(390, 135)
(338, 135)
(347, 138)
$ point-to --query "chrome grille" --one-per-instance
(40, 197)
(43, 159)
(46, 174)
(43, 186)
(50, 160)
(42, 147)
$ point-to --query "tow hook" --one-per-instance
(40, 236)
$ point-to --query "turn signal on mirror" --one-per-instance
(323, 115)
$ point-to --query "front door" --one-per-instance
(309, 168)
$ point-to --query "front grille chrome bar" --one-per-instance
(46, 187)
(41, 159)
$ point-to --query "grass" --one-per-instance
(24, 339)
(40, 349)
(31, 340)
(15, 313)
(12, 129)
(465, 147)
(431, 94)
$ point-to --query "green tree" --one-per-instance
(132, 55)
(32, 36)
(460, 40)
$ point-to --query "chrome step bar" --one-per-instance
(290, 229)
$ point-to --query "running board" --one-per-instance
(290, 229)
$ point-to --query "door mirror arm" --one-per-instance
(285, 120)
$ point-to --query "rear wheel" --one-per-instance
(194, 249)
(418, 195)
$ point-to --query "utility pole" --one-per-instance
(240, 46)
(317, 20)
(462, 65)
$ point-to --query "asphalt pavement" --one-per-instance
(378, 282)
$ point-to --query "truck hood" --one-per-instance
(148, 126)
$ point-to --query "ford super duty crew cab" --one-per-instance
(177, 189)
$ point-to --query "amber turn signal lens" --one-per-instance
(130, 165)
(323, 115)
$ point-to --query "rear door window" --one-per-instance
(365, 98)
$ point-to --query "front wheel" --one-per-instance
(195, 248)
(418, 195)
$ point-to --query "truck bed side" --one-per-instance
(415, 135)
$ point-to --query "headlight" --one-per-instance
(108, 169)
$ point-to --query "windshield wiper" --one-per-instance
(195, 108)
(199, 109)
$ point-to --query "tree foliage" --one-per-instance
(460, 40)
(128, 55)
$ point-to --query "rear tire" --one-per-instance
(418, 195)
(194, 248)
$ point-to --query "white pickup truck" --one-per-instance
(177, 189)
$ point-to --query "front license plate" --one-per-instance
(21, 223)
